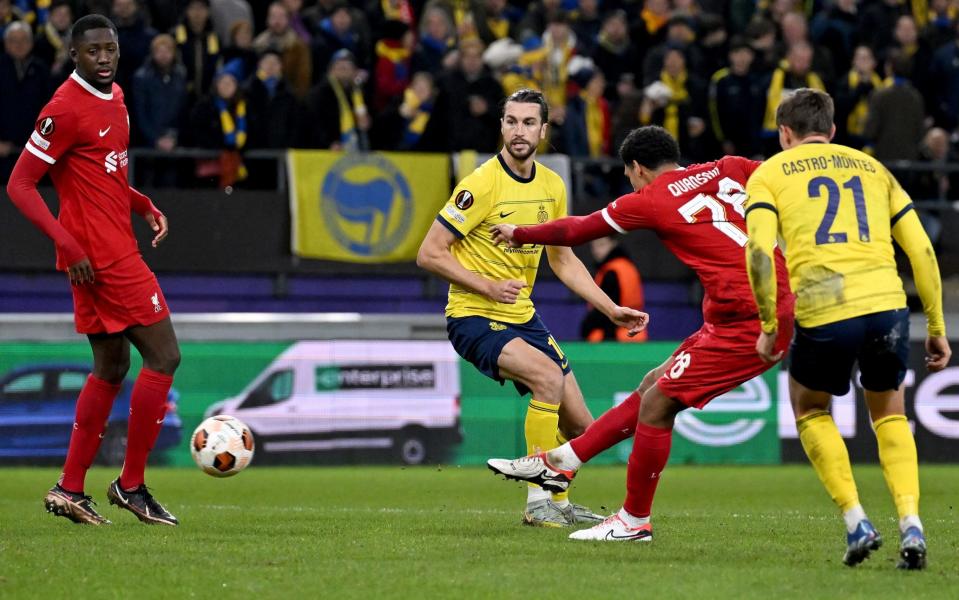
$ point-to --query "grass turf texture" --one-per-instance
(384, 532)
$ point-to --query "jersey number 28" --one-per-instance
(731, 193)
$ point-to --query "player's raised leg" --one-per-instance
(157, 344)
(555, 469)
(111, 361)
(900, 467)
(827, 452)
(651, 446)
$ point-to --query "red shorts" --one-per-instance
(123, 295)
(719, 358)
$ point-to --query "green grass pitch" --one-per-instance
(390, 532)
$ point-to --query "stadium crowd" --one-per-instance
(429, 76)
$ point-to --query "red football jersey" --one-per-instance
(84, 134)
(699, 214)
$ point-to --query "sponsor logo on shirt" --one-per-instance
(115, 160)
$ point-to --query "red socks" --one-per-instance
(612, 427)
(93, 409)
(646, 463)
(147, 409)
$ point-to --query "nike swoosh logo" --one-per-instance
(612, 536)
(503, 215)
(103, 132)
(159, 421)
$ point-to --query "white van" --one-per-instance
(321, 396)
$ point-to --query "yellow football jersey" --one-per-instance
(836, 207)
(490, 195)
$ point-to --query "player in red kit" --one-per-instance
(81, 140)
(698, 213)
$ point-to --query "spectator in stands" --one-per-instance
(294, 9)
(736, 103)
(615, 54)
(53, 44)
(393, 56)
(559, 46)
(474, 98)
(159, 96)
(377, 12)
(417, 121)
(219, 122)
(586, 22)
(586, 131)
(712, 44)
(944, 83)
(941, 23)
(225, 14)
(837, 28)
(617, 275)
(134, 36)
(919, 53)
(795, 30)
(198, 45)
(936, 185)
(272, 110)
(879, 22)
(537, 17)
(761, 35)
(24, 89)
(680, 34)
(8, 14)
(793, 73)
(239, 49)
(676, 102)
(338, 32)
(895, 122)
(650, 28)
(437, 41)
(280, 36)
(338, 118)
(852, 98)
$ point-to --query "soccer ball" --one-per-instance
(222, 446)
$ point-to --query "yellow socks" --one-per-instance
(826, 451)
(542, 420)
(897, 455)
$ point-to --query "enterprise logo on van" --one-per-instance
(374, 377)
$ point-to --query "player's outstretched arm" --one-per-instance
(911, 237)
(143, 206)
(434, 255)
(568, 231)
(573, 273)
(762, 225)
(22, 189)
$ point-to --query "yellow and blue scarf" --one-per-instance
(349, 135)
(415, 125)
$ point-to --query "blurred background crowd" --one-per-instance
(429, 76)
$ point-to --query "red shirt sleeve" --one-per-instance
(142, 204)
(746, 165)
(22, 189)
(54, 134)
(568, 231)
(632, 211)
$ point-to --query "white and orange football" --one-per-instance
(222, 446)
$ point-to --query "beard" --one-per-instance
(521, 156)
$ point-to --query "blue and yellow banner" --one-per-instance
(367, 208)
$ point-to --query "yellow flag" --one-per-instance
(364, 207)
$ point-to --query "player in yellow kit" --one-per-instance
(491, 320)
(838, 211)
